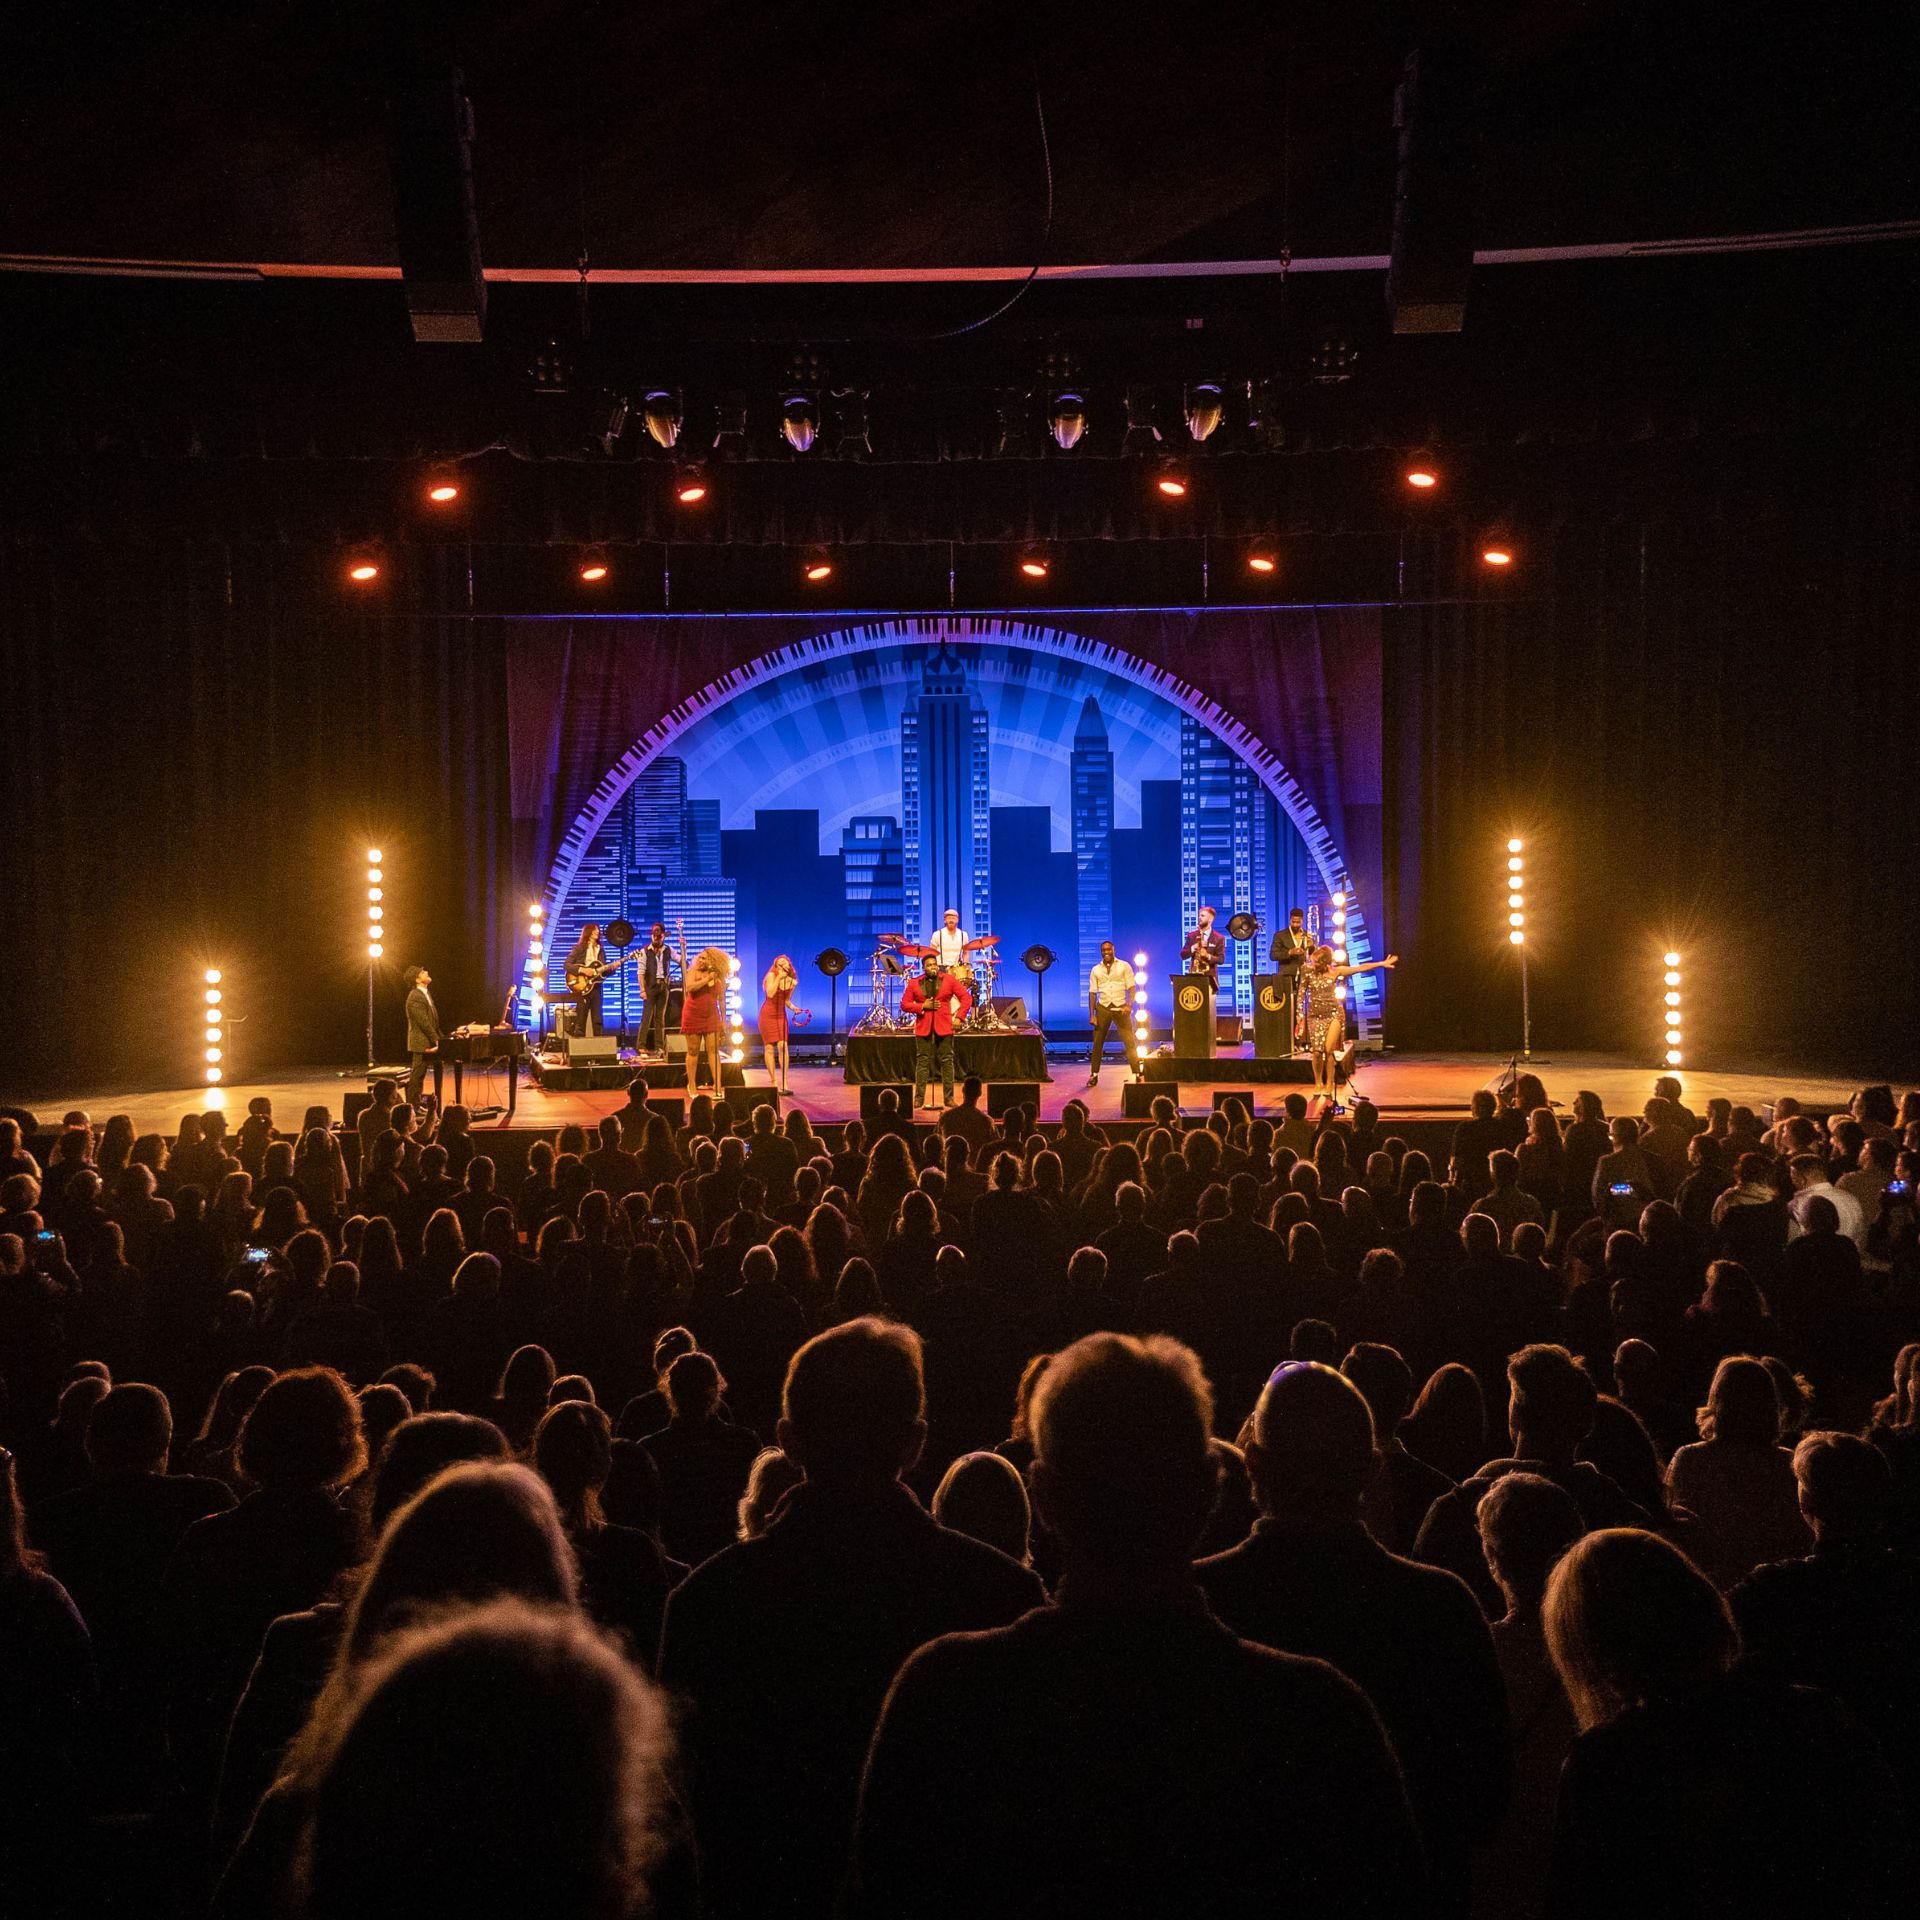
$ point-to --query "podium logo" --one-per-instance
(1271, 1001)
(1191, 999)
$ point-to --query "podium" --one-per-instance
(1193, 1028)
(1273, 1015)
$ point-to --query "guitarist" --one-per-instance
(586, 967)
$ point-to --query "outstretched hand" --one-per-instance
(1392, 960)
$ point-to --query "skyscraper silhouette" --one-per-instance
(1217, 831)
(1092, 780)
(946, 856)
(871, 879)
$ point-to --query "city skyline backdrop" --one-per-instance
(1047, 799)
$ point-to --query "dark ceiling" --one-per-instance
(746, 134)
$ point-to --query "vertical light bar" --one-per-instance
(1670, 980)
(536, 954)
(1141, 1025)
(1339, 940)
(1516, 893)
(215, 1042)
(736, 1033)
(376, 905)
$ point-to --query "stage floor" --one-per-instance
(1410, 1086)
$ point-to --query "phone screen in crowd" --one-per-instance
(1621, 1187)
(1899, 1188)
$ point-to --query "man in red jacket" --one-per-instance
(937, 1002)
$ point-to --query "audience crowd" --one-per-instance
(755, 1520)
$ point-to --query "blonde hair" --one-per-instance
(1630, 1619)
(714, 961)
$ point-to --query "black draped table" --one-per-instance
(877, 1059)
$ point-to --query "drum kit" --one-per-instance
(977, 972)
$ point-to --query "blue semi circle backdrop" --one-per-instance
(1054, 790)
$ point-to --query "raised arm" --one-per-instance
(1392, 960)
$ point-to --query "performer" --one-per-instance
(1109, 1003)
(949, 945)
(423, 1034)
(583, 979)
(702, 1007)
(657, 966)
(951, 942)
(1292, 949)
(938, 1002)
(1326, 1013)
(1204, 950)
(777, 990)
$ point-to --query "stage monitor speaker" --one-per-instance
(352, 1106)
(1004, 1095)
(1241, 1097)
(592, 1046)
(1011, 1008)
(870, 1092)
(741, 1101)
(671, 1107)
(1436, 186)
(1226, 1029)
(436, 230)
(1137, 1097)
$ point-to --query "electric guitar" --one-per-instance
(585, 979)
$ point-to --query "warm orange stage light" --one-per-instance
(593, 572)
(1262, 562)
(1497, 557)
(1422, 477)
(363, 571)
(690, 492)
(443, 493)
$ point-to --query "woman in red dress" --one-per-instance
(777, 990)
(703, 1009)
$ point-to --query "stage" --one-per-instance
(1424, 1088)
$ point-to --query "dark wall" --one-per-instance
(199, 752)
(1702, 722)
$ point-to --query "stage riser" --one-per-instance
(1168, 1069)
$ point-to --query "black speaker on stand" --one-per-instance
(1037, 959)
(833, 963)
(619, 933)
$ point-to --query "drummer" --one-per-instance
(950, 943)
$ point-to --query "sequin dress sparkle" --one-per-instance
(1326, 1018)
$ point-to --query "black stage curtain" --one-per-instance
(1703, 728)
(200, 750)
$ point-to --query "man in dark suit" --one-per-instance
(657, 968)
(423, 1034)
(1291, 950)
